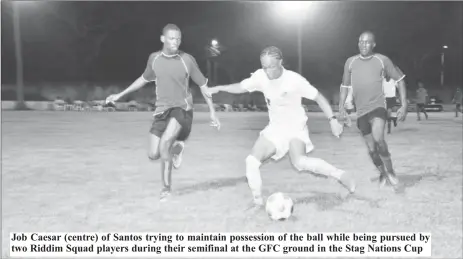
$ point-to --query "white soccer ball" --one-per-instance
(279, 206)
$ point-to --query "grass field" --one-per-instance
(70, 171)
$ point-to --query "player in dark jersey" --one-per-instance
(171, 70)
(364, 73)
(422, 99)
(457, 99)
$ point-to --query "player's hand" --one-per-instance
(342, 114)
(402, 113)
(112, 98)
(336, 128)
(215, 121)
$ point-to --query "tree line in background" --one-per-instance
(76, 51)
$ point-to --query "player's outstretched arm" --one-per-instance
(137, 84)
(336, 127)
(147, 76)
(402, 112)
(250, 84)
(233, 89)
(343, 92)
(345, 85)
(402, 92)
(207, 97)
(324, 105)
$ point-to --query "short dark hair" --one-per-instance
(273, 52)
(170, 27)
(369, 32)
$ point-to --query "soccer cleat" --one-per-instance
(347, 180)
(177, 149)
(382, 180)
(165, 193)
(392, 179)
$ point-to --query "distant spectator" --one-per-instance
(457, 99)
(421, 100)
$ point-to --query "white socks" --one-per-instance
(317, 166)
(253, 175)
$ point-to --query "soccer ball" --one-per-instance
(279, 206)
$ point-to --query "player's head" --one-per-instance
(171, 38)
(420, 84)
(271, 60)
(366, 43)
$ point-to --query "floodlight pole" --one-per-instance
(20, 104)
(299, 46)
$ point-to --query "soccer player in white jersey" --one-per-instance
(287, 130)
(390, 88)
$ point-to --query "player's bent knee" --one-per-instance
(382, 148)
(298, 163)
(164, 148)
(375, 158)
(153, 156)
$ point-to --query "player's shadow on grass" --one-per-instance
(408, 129)
(324, 201)
(328, 201)
(211, 185)
(410, 180)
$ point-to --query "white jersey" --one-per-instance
(389, 88)
(283, 96)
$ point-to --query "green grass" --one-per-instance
(70, 171)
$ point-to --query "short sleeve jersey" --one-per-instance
(365, 76)
(458, 97)
(172, 74)
(283, 96)
(421, 95)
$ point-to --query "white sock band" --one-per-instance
(317, 166)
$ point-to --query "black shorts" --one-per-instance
(184, 118)
(364, 121)
(419, 107)
(390, 102)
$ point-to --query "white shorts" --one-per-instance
(281, 136)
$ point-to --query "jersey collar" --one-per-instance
(365, 58)
(169, 56)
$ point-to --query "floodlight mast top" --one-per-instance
(292, 9)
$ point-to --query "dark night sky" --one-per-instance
(55, 45)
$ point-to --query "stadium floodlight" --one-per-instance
(292, 9)
(295, 11)
(442, 61)
(215, 43)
